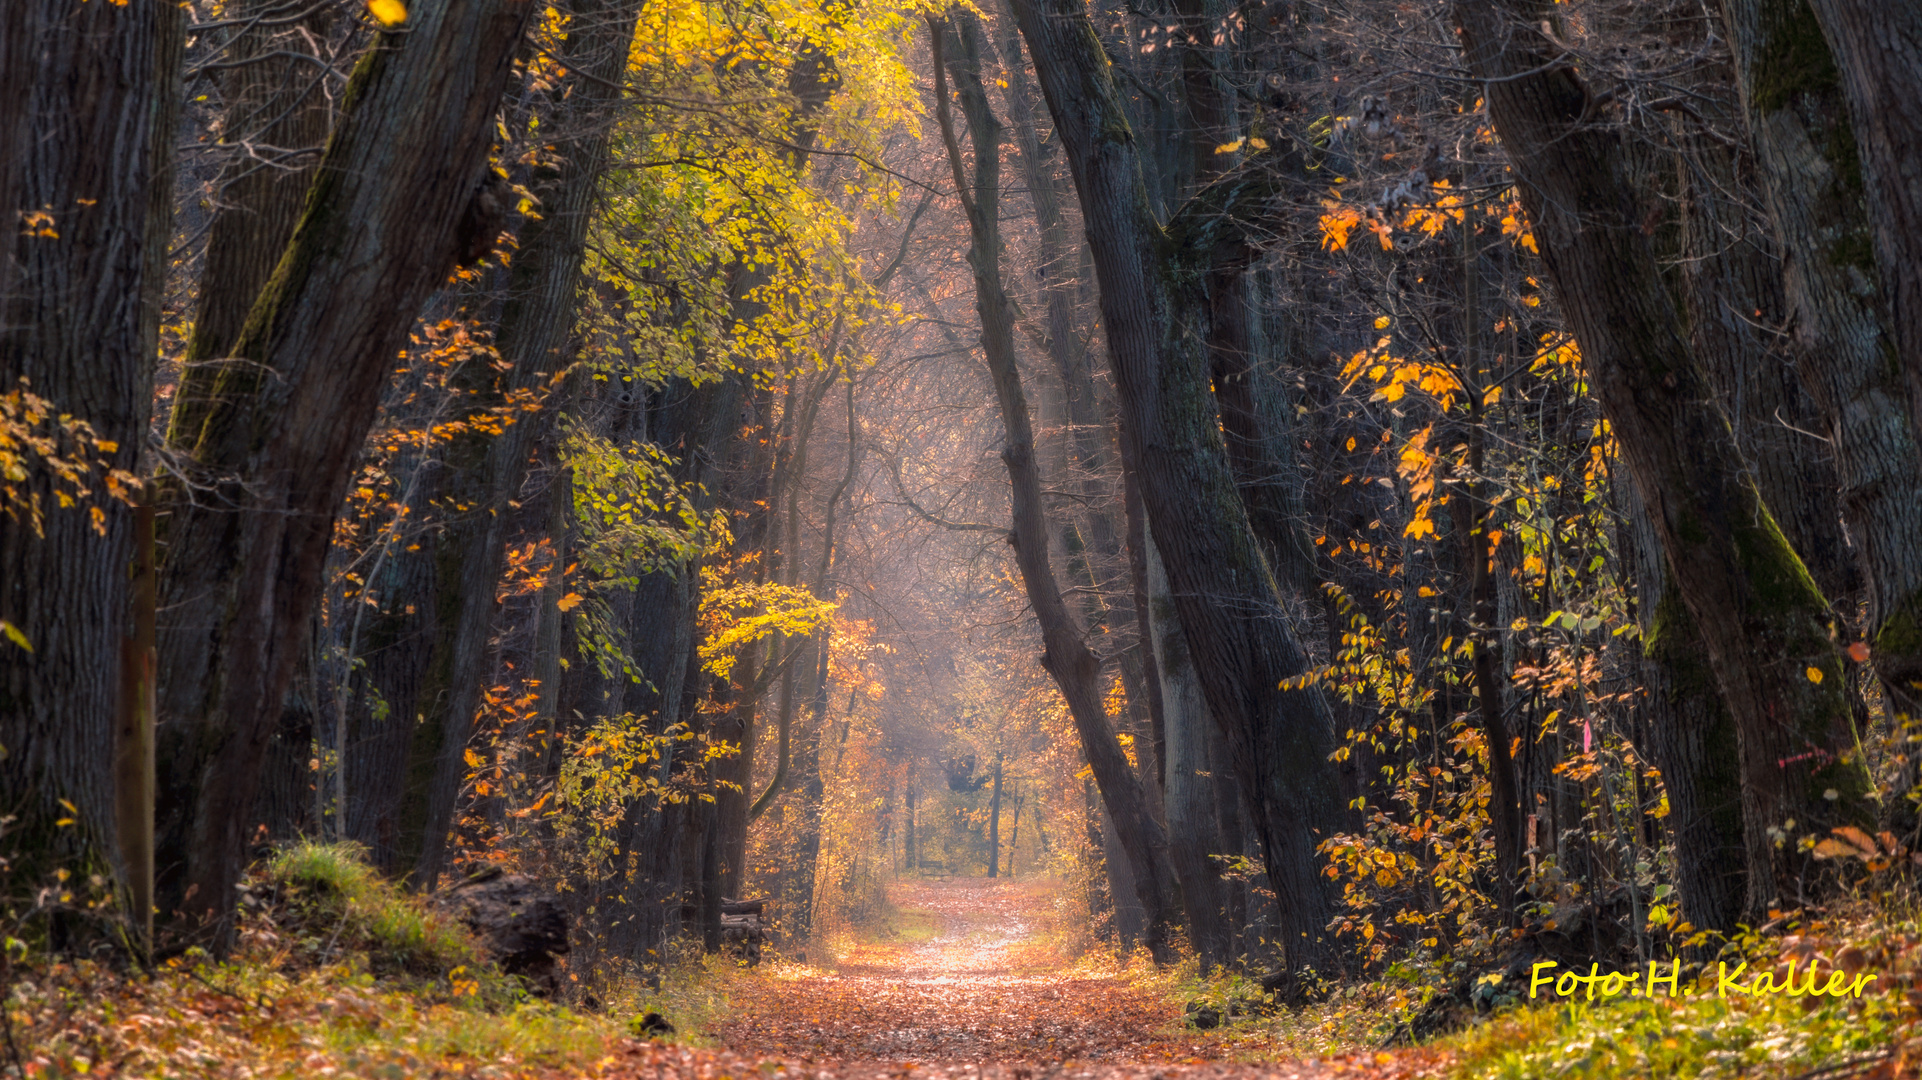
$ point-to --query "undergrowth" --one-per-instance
(336, 972)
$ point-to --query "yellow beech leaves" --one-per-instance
(387, 12)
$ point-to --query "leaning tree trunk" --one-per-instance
(1762, 617)
(1155, 309)
(246, 540)
(93, 87)
(1812, 179)
(1066, 656)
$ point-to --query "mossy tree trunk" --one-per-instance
(1764, 620)
(247, 536)
(1690, 734)
(1878, 51)
(1811, 175)
(275, 122)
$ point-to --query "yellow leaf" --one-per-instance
(569, 602)
(473, 759)
(1493, 395)
(1258, 144)
(1518, 624)
(1228, 147)
(14, 635)
(1381, 323)
(388, 12)
(1815, 674)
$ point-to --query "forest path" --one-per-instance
(970, 988)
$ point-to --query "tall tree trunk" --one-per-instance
(1761, 615)
(910, 854)
(97, 100)
(994, 823)
(1812, 177)
(1878, 48)
(1691, 736)
(1067, 658)
(246, 543)
(1154, 311)
(537, 319)
(1194, 835)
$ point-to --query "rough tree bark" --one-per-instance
(1761, 615)
(95, 101)
(1066, 656)
(247, 537)
(1154, 307)
(1189, 788)
(1812, 180)
(1878, 49)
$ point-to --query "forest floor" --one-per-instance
(965, 982)
(962, 979)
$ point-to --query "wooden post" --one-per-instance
(133, 760)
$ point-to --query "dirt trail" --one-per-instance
(981, 996)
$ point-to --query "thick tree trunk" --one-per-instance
(92, 89)
(1762, 616)
(1878, 48)
(1691, 736)
(1194, 835)
(1066, 656)
(1225, 595)
(246, 542)
(1812, 178)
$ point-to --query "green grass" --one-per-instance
(1692, 1035)
(329, 890)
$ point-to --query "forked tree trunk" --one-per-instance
(276, 101)
(246, 543)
